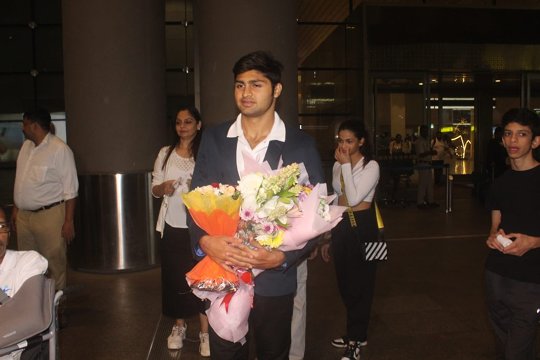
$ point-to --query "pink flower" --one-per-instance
(247, 214)
(268, 227)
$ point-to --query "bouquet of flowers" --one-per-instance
(272, 208)
(275, 209)
(215, 209)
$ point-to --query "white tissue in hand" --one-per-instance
(503, 241)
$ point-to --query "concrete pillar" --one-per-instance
(114, 74)
(227, 30)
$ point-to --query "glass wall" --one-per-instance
(329, 70)
(31, 73)
(446, 102)
(400, 108)
(31, 66)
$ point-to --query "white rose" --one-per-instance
(249, 185)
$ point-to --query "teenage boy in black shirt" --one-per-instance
(513, 271)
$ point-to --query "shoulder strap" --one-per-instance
(352, 219)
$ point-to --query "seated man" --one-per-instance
(16, 267)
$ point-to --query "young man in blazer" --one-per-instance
(258, 131)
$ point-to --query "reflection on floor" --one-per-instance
(429, 301)
(461, 166)
(158, 347)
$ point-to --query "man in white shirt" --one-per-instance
(258, 131)
(45, 194)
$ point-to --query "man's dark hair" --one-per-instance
(423, 130)
(261, 61)
(40, 116)
(522, 116)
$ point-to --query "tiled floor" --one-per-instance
(428, 304)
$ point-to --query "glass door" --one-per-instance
(452, 116)
(400, 107)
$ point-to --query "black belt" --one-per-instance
(48, 206)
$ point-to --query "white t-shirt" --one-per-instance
(440, 147)
(17, 267)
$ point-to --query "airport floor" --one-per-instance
(429, 301)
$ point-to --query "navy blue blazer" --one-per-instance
(216, 162)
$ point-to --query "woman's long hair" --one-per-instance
(359, 131)
(196, 141)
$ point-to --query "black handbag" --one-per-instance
(373, 250)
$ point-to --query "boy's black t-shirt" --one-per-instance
(517, 195)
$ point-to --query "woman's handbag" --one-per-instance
(374, 250)
(377, 250)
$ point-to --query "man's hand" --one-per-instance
(231, 252)
(257, 256)
(313, 253)
(225, 250)
(68, 231)
(492, 242)
(325, 252)
(521, 244)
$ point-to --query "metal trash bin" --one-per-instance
(115, 224)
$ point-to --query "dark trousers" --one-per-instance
(355, 276)
(513, 311)
(270, 324)
(177, 299)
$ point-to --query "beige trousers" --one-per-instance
(42, 231)
(298, 324)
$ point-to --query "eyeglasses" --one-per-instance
(4, 228)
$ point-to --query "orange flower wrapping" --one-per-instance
(217, 214)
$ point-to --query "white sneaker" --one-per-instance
(204, 347)
(352, 352)
(175, 341)
(342, 342)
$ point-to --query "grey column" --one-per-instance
(227, 30)
(114, 73)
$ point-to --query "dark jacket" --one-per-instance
(216, 162)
